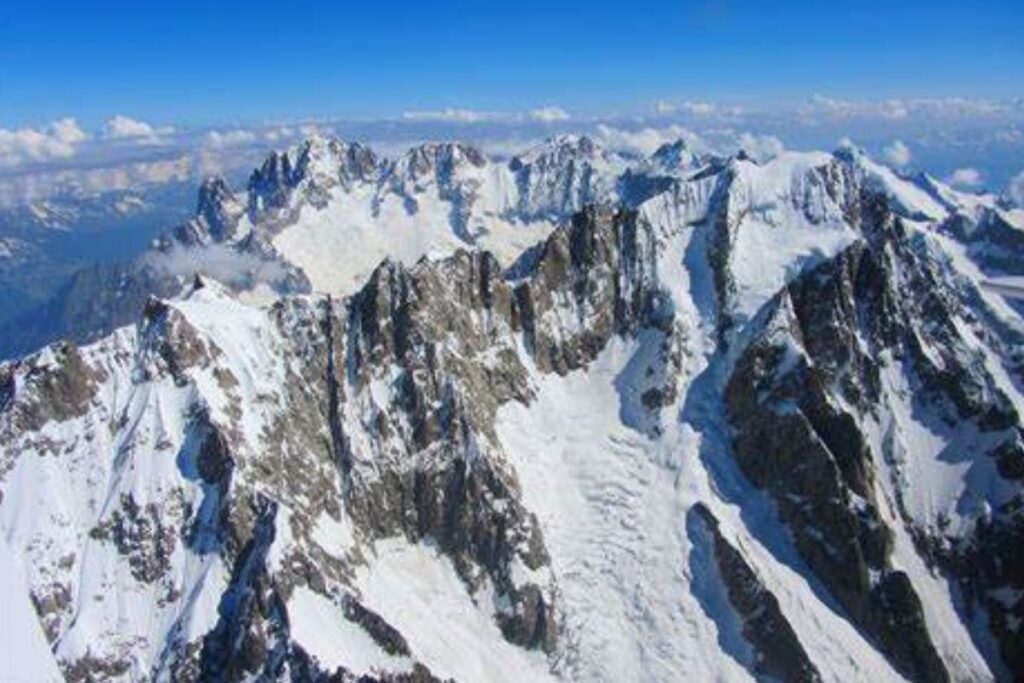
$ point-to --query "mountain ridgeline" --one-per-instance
(575, 416)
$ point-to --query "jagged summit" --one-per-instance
(673, 157)
(318, 215)
(307, 172)
(728, 410)
(433, 158)
(558, 148)
(735, 421)
(218, 210)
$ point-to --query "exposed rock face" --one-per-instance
(991, 241)
(779, 653)
(805, 391)
(307, 173)
(63, 385)
(426, 330)
(217, 214)
(570, 171)
(231, 235)
(333, 488)
(394, 398)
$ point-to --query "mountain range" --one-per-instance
(575, 415)
(46, 241)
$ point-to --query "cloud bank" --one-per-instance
(231, 138)
(951, 137)
(124, 128)
(893, 109)
(220, 262)
(545, 114)
(549, 114)
(58, 140)
(698, 109)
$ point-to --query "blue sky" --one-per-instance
(101, 95)
(207, 63)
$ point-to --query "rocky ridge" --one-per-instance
(259, 475)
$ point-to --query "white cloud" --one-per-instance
(897, 154)
(1015, 189)
(846, 142)
(891, 109)
(718, 141)
(498, 148)
(276, 134)
(829, 104)
(965, 177)
(645, 140)
(962, 106)
(1012, 136)
(697, 109)
(121, 127)
(761, 147)
(124, 128)
(902, 108)
(67, 130)
(549, 114)
(230, 138)
(38, 185)
(218, 261)
(57, 141)
(311, 130)
(453, 116)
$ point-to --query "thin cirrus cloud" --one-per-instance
(697, 109)
(453, 115)
(924, 108)
(58, 140)
(545, 114)
(231, 138)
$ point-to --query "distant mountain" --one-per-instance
(43, 243)
(320, 215)
(523, 422)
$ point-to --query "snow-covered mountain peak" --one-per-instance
(452, 169)
(906, 197)
(559, 150)
(438, 158)
(674, 157)
(218, 209)
(308, 172)
(722, 436)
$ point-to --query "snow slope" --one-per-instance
(24, 651)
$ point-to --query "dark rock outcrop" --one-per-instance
(810, 378)
(779, 654)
